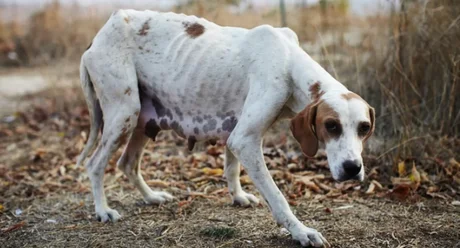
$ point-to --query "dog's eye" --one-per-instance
(332, 127)
(364, 128)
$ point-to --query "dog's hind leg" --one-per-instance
(232, 174)
(118, 95)
(118, 127)
(130, 164)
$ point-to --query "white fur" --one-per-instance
(257, 76)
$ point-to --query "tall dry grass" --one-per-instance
(414, 83)
(49, 35)
(417, 82)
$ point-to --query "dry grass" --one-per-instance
(416, 85)
(63, 221)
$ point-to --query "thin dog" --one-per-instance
(148, 71)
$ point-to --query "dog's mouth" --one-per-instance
(345, 177)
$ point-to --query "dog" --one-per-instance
(148, 71)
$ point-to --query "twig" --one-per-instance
(403, 143)
(327, 54)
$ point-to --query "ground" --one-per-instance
(67, 220)
(45, 199)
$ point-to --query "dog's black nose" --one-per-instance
(351, 168)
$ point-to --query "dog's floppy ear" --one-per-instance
(372, 117)
(303, 129)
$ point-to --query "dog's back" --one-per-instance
(193, 75)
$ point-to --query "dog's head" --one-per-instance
(340, 122)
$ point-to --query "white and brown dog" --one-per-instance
(147, 71)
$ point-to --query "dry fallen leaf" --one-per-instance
(14, 227)
(401, 169)
(401, 192)
(415, 177)
(157, 183)
(371, 189)
(212, 172)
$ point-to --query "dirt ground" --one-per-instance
(66, 220)
(45, 200)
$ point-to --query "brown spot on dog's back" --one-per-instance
(151, 129)
(128, 91)
(194, 29)
(145, 28)
(315, 91)
(126, 19)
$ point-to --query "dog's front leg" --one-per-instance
(245, 142)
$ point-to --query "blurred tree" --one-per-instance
(343, 6)
(283, 13)
(233, 2)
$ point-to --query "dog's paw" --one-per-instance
(158, 197)
(309, 237)
(107, 214)
(244, 199)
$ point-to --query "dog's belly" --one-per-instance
(207, 123)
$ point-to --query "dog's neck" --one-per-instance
(310, 80)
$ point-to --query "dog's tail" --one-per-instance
(95, 112)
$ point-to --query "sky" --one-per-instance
(358, 7)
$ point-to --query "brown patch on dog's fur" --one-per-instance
(194, 30)
(145, 28)
(315, 90)
(325, 112)
(123, 136)
(126, 19)
(128, 91)
(351, 95)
